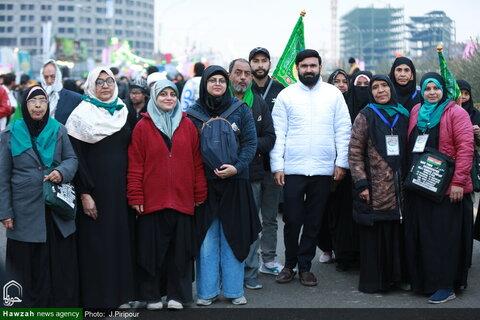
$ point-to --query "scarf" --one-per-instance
(45, 142)
(357, 97)
(430, 114)
(247, 96)
(93, 120)
(405, 93)
(215, 106)
(464, 85)
(54, 89)
(110, 107)
(166, 121)
(392, 107)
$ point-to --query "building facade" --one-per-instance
(89, 23)
(372, 34)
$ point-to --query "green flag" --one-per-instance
(453, 91)
(284, 72)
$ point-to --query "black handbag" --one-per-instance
(60, 198)
(431, 174)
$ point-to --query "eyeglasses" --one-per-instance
(100, 82)
(214, 81)
(33, 102)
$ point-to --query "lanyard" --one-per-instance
(384, 119)
(264, 95)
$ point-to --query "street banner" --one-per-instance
(284, 72)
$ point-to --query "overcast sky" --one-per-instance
(235, 27)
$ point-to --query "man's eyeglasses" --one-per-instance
(214, 81)
(33, 102)
(100, 82)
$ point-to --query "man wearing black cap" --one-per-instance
(268, 89)
(136, 103)
(312, 126)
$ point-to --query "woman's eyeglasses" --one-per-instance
(33, 102)
(100, 82)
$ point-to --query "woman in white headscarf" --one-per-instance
(100, 135)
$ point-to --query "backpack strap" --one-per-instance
(231, 109)
(198, 115)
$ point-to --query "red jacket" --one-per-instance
(158, 178)
(456, 140)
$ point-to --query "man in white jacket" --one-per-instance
(312, 125)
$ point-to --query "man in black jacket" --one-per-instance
(241, 85)
(268, 88)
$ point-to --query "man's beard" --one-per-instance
(238, 89)
(260, 76)
(309, 81)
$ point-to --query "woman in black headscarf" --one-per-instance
(378, 161)
(41, 248)
(404, 78)
(227, 222)
(467, 103)
(338, 232)
(357, 94)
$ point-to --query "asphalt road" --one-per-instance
(335, 289)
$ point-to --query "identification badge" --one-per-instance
(393, 148)
(420, 143)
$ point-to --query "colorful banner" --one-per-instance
(284, 72)
(69, 49)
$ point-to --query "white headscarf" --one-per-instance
(90, 123)
(54, 89)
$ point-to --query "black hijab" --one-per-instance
(393, 94)
(34, 126)
(334, 75)
(214, 105)
(406, 94)
(464, 85)
(357, 97)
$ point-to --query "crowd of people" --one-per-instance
(175, 186)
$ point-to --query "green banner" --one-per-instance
(41, 313)
(453, 91)
(284, 72)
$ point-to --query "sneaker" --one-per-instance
(441, 296)
(172, 304)
(326, 257)
(239, 301)
(205, 302)
(155, 305)
(271, 268)
(137, 304)
(124, 306)
(253, 284)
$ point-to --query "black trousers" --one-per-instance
(165, 256)
(47, 272)
(304, 205)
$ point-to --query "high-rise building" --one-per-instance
(427, 31)
(90, 23)
(372, 34)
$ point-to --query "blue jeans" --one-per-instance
(216, 258)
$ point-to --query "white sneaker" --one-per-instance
(205, 302)
(172, 304)
(271, 268)
(239, 301)
(158, 305)
(125, 306)
(326, 257)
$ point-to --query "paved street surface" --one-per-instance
(336, 289)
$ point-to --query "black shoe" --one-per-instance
(285, 276)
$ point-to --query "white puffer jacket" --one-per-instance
(312, 128)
